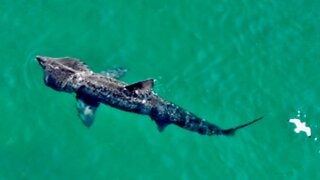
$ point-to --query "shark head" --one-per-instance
(59, 73)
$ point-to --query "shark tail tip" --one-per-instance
(231, 131)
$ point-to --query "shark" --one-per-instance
(71, 75)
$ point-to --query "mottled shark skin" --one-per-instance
(73, 76)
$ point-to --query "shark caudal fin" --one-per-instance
(231, 131)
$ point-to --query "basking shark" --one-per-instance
(70, 75)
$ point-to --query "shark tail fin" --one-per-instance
(231, 131)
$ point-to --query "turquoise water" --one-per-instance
(227, 61)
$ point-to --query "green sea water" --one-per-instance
(227, 61)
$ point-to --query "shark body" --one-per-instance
(73, 76)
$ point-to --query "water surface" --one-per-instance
(227, 61)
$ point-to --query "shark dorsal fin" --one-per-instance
(142, 87)
(73, 63)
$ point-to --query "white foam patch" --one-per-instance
(301, 126)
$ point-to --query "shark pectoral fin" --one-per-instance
(86, 109)
(114, 73)
(142, 87)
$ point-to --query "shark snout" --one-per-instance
(41, 60)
